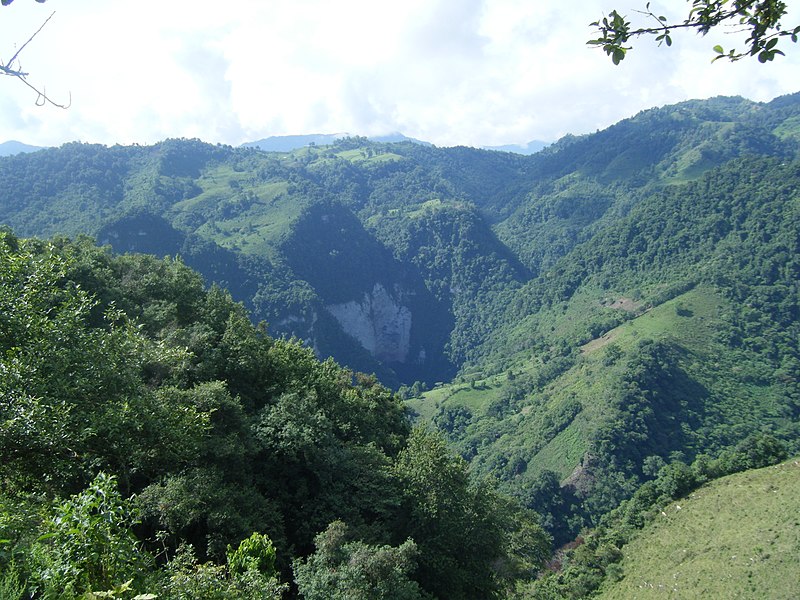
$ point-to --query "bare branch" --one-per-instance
(35, 33)
(12, 72)
(9, 69)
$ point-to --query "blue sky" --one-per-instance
(471, 72)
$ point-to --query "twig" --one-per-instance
(42, 98)
(35, 33)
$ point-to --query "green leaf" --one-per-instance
(718, 49)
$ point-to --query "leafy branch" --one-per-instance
(761, 18)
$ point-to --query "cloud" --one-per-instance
(449, 71)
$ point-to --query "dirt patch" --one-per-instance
(626, 304)
(598, 343)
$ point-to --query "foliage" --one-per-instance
(761, 20)
(214, 430)
(444, 514)
(255, 553)
(87, 544)
(342, 569)
(187, 579)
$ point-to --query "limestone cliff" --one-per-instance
(379, 321)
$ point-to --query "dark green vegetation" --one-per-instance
(578, 324)
(146, 426)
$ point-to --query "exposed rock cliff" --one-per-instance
(379, 321)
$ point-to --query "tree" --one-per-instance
(472, 542)
(760, 19)
(353, 570)
(88, 544)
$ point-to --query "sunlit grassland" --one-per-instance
(738, 537)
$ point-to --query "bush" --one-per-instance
(88, 544)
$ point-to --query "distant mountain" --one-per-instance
(531, 147)
(396, 137)
(13, 147)
(287, 143)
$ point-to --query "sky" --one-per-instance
(451, 72)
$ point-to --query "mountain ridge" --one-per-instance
(564, 310)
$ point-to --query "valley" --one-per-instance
(574, 323)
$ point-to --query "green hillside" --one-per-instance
(737, 537)
(473, 225)
(155, 443)
(569, 320)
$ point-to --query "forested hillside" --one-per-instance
(148, 427)
(577, 323)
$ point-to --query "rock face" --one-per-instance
(379, 321)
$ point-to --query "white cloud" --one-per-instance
(449, 71)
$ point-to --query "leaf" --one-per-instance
(718, 49)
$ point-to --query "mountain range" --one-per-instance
(288, 143)
(572, 320)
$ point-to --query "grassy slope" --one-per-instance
(738, 537)
(689, 321)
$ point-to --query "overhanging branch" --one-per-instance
(12, 69)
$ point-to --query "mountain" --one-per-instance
(567, 319)
(287, 143)
(531, 147)
(13, 147)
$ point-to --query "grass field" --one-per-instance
(738, 537)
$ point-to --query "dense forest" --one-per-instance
(557, 345)
(138, 406)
